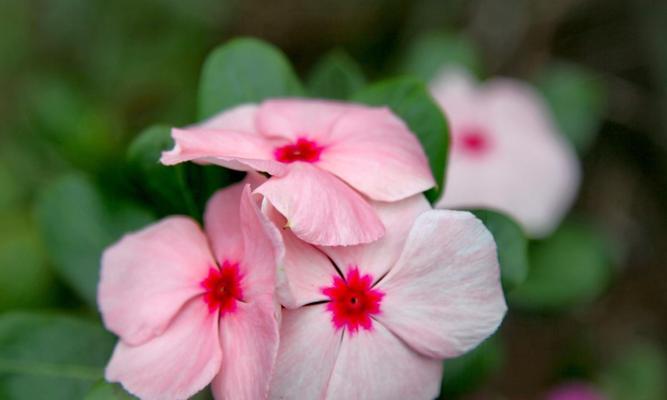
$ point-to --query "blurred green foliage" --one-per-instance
(571, 267)
(50, 356)
(336, 76)
(245, 71)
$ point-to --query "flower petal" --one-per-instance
(304, 271)
(443, 296)
(374, 151)
(249, 340)
(295, 118)
(262, 249)
(147, 276)
(239, 119)
(321, 209)
(174, 365)
(236, 150)
(528, 171)
(222, 219)
(308, 349)
(377, 365)
(378, 257)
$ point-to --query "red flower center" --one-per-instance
(303, 150)
(223, 288)
(473, 141)
(353, 301)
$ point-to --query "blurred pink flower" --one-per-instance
(324, 158)
(506, 152)
(193, 307)
(374, 321)
(574, 391)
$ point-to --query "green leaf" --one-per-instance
(336, 76)
(410, 100)
(512, 247)
(577, 98)
(571, 267)
(77, 225)
(166, 186)
(430, 52)
(465, 373)
(25, 279)
(638, 373)
(244, 71)
(50, 356)
(108, 391)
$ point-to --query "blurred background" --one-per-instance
(79, 79)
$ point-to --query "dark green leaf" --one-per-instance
(569, 268)
(166, 186)
(244, 71)
(336, 76)
(410, 100)
(77, 225)
(511, 244)
(465, 373)
(50, 356)
(429, 53)
(577, 98)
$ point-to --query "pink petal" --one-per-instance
(236, 150)
(148, 275)
(308, 349)
(174, 365)
(374, 151)
(377, 365)
(239, 119)
(378, 257)
(249, 340)
(443, 296)
(262, 249)
(222, 219)
(321, 209)
(305, 270)
(529, 171)
(295, 118)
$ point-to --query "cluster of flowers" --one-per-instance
(325, 273)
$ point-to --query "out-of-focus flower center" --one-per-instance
(472, 141)
(353, 301)
(223, 288)
(303, 150)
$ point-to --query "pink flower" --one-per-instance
(193, 307)
(506, 152)
(374, 321)
(574, 391)
(325, 158)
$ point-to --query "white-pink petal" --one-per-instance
(232, 149)
(249, 340)
(378, 257)
(443, 296)
(308, 350)
(376, 365)
(174, 365)
(147, 276)
(263, 249)
(374, 152)
(299, 118)
(320, 209)
(528, 171)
